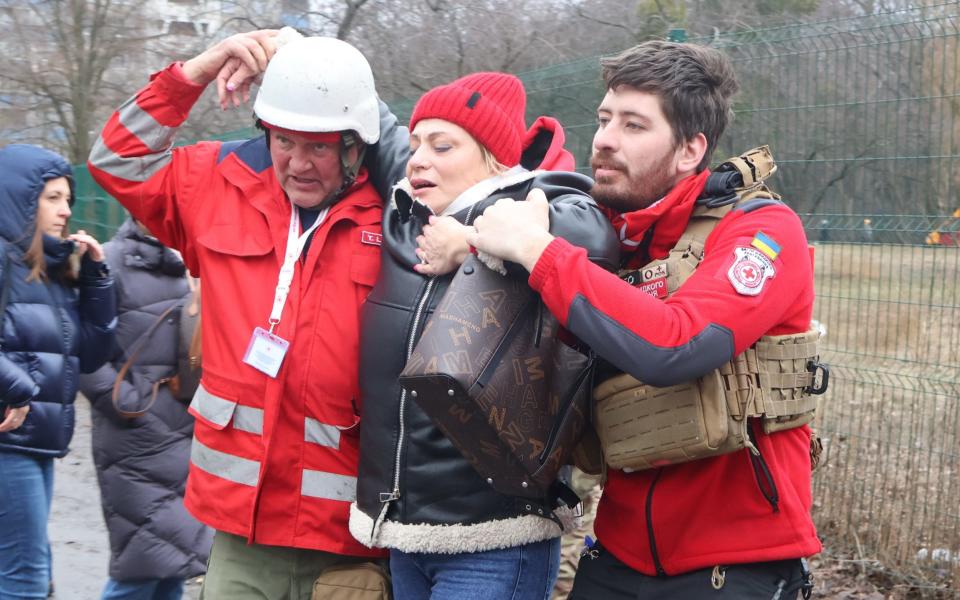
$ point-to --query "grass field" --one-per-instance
(888, 488)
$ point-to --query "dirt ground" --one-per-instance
(78, 536)
(81, 551)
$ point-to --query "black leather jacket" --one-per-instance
(416, 492)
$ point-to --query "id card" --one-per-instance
(266, 351)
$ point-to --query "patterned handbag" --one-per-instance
(494, 374)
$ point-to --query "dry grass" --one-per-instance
(889, 488)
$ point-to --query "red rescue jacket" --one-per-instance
(714, 511)
(274, 460)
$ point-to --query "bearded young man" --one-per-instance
(733, 525)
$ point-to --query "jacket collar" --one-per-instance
(408, 204)
(248, 166)
(56, 252)
(142, 251)
(543, 147)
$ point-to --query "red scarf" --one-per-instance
(670, 215)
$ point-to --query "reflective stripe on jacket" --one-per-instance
(273, 459)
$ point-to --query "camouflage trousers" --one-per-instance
(588, 488)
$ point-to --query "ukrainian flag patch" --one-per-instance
(764, 243)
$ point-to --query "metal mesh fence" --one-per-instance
(862, 116)
(888, 486)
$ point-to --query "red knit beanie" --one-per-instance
(490, 106)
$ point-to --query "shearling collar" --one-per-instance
(408, 204)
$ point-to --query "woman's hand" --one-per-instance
(514, 231)
(442, 247)
(86, 243)
(238, 72)
(234, 63)
(13, 418)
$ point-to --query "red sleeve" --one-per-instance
(134, 161)
(706, 322)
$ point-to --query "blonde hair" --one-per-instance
(490, 162)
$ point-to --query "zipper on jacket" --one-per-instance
(387, 497)
(650, 535)
(768, 487)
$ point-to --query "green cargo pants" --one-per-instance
(237, 571)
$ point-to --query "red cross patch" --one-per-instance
(751, 268)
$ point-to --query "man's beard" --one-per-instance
(641, 187)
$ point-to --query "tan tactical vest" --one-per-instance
(641, 426)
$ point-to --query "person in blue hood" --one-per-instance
(57, 307)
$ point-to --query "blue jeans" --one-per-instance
(145, 589)
(519, 573)
(26, 488)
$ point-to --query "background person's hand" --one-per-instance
(514, 231)
(442, 247)
(13, 418)
(86, 243)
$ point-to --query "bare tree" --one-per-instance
(64, 51)
(351, 9)
(416, 44)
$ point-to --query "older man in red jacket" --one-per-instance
(284, 231)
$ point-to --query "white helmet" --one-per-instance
(319, 84)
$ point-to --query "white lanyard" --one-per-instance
(295, 245)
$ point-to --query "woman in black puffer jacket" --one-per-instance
(142, 462)
(57, 323)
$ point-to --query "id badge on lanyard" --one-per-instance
(266, 350)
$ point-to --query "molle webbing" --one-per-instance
(754, 166)
(642, 426)
(772, 380)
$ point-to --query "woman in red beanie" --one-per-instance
(451, 535)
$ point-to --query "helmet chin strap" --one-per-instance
(348, 170)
